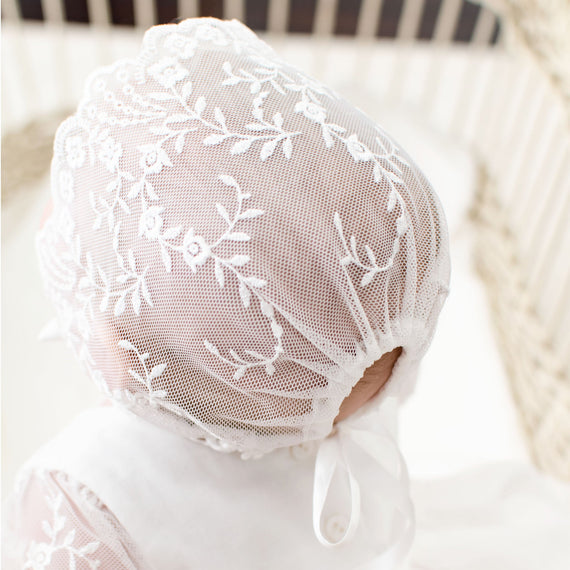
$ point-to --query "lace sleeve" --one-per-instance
(56, 523)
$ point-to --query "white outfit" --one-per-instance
(165, 502)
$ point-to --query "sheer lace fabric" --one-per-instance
(57, 523)
(232, 243)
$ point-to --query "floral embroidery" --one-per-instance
(357, 150)
(149, 375)
(169, 115)
(168, 71)
(39, 554)
(181, 46)
(195, 249)
(75, 153)
(153, 159)
(151, 222)
(110, 152)
(66, 186)
(241, 364)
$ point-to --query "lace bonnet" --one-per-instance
(232, 244)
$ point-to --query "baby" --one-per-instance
(241, 259)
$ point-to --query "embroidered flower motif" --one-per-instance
(153, 159)
(65, 224)
(358, 151)
(312, 111)
(180, 45)
(195, 250)
(38, 555)
(110, 153)
(151, 222)
(66, 185)
(208, 33)
(168, 72)
(74, 152)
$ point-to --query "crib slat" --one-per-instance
(11, 10)
(553, 172)
(368, 18)
(144, 13)
(234, 9)
(52, 11)
(558, 215)
(188, 9)
(530, 180)
(484, 27)
(278, 16)
(447, 20)
(409, 20)
(523, 145)
(515, 98)
(99, 14)
(325, 16)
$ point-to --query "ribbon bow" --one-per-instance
(364, 448)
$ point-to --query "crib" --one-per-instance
(494, 84)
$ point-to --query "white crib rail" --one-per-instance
(506, 109)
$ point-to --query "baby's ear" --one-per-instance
(373, 380)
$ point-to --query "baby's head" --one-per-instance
(232, 244)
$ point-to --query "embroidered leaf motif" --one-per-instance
(149, 188)
(176, 118)
(179, 144)
(228, 180)
(69, 537)
(245, 294)
(266, 309)
(187, 90)
(239, 260)
(370, 254)
(287, 148)
(104, 303)
(157, 371)
(276, 329)
(367, 278)
(219, 116)
(120, 305)
(267, 149)
(211, 348)
(250, 214)
(224, 213)
(219, 272)
(213, 140)
(200, 105)
(241, 146)
(238, 236)
(47, 529)
(134, 191)
(126, 345)
(89, 548)
(391, 201)
(171, 233)
(255, 282)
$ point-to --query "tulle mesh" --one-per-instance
(232, 243)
